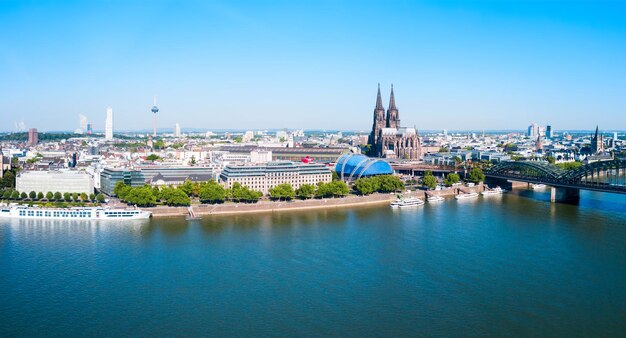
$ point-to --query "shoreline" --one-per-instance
(298, 205)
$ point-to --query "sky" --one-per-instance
(313, 64)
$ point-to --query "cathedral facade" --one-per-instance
(388, 139)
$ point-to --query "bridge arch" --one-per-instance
(592, 169)
(529, 169)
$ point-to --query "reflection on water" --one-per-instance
(505, 265)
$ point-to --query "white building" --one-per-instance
(263, 177)
(108, 132)
(177, 130)
(247, 136)
(53, 181)
(260, 156)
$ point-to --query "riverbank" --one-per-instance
(277, 206)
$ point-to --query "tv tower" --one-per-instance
(155, 110)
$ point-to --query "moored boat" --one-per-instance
(494, 191)
(78, 213)
(464, 196)
(406, 202)
(434, 198)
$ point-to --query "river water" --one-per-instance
(512, 265)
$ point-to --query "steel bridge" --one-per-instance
(605, 176)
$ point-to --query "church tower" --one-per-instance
(597, 142)
(379, 123)
(393, 116)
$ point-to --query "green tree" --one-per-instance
(100, 198)
(75, 197)
(365, 186)
(92, 197)
(335, 176)
(550, 159)
(23, 195)
(141, 196)
(429, 180)
(212, 192)
(8, 180)
(283, 191)
(40, 195)
(187, 187)
(57, 196)
(193, 160)
(569, 165)
(339, 188)
(388, 183)
(451, 179)
(67, 196)
(7, 194)
(305, 191)
(323, 190)
(32, 195)
(49, 195)
(444, 150)
(158, 144)
(84, 197)
(476, 175)
(176, 197)
(120, 190)
(15, 194)
(153, 157)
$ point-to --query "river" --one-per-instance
(511, 265)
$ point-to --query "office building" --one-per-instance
(549, 132)
(175, 175)
(52, 181)
(263, 177)
(177, 130)
(33, 136)
(108, 131)
(110, 176)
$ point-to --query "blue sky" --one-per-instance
(313, 64)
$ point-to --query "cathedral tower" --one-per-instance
(379, 121)
(393, 116)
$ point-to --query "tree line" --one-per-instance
(12, 194)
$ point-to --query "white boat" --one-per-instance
(537, 186)
(494, 191)
(435, 198)
(82, 213)
(466, 196)
(407, 202)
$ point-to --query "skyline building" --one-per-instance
(177, 130)
(388, 139)
(549, 132)
(154, 110)
(33, 136)
(108, 125)
(597, 142)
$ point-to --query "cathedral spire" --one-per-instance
(379, 100)
(392, 100)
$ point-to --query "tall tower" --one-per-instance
(379, 123)
(177, 130)
(393, 116)
(597, 142)
(155, 110)
(108, 125)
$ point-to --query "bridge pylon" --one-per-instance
(564, 194)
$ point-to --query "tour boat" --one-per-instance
(494, 191)
(82, 213)
(435, 198)
(466, 196)
(537, 186)
(407, 202)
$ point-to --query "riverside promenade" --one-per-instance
(276, 206)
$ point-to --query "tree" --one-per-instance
(451, 179)
(365, 186)
(40, 195)
(176, 197)
(57, 196)
(305, 191)
(193, 160)
(75, 197)
(212, 192)
(23, 195)
(15, 195)
(100, 198)
(429, 180)
(476, 175)
(550, 159)
(84, 197)
(388, 183)
(67, 196)
(153, 157)
(335, 176)
(32, 195)
(7, 194)
(339, 188)
(282, 191)
(8, 180)
(92, 197)
(120, 190)
(444, 150)
(49, 195)
(187, 187)
(141, 196)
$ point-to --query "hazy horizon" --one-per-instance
(278, 64)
